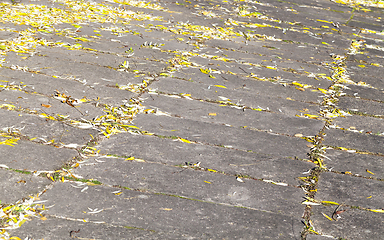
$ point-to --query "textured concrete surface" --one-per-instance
(191, 119)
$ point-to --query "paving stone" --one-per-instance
(36, 103)
(346, 189)
(215, 134)
(214, 113)
(275, 47)
(57, 228)
(26, 155)
(353, 224)
(230, 161)
(249, 99)
(169, 214)
(368, 125)
(33, 126)
(46, 85)
(196, 184)
(360, 105)
(351, 140)
(19, 185)
(355, 163)
(364, 92)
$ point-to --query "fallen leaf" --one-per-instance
(329, 218)
(212, 114)
(369, 172)
(166, 209)
(46, 105)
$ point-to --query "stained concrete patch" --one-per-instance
(347, 139)
(168, 214)
(353, 224)
(230, 161)
(26, 155)
(239, 138)
(20, 185)
(355, 191)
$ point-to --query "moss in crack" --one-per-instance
(137, 228)
(21, 171)
(166, 137)
(364, 114)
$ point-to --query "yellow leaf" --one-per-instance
(207, 182)
(212, 114)
(362, 66)
(297, 84)
(166, 209)
(330, 202)
(14, 238)
(130, 126)
(369, 197)
(369, 172)
(220, 86)
(130, 159)
(319, 20)
(184, 140)
(311, 116)
(211, 170)
(325, 215)
(43, 218)
(324, 43)
(377, 210)
(322, 90)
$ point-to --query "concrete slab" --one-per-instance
(229, 161)
(196, 184)
(168, 214)
(33, 126)
(347, 139)
(356, 105)
(30, 156)
(46, 85)
(364, 93)
(367, 125)
(61, 229)
(36, 102)
(19, 185)
(220, 135)
(353, 224)
(350, 190)
(355, 163)
(214, 113)
(213, 93)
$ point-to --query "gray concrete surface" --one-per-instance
(191, 119)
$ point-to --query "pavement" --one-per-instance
(191, 119)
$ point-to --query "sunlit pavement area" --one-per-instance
(214, 119)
